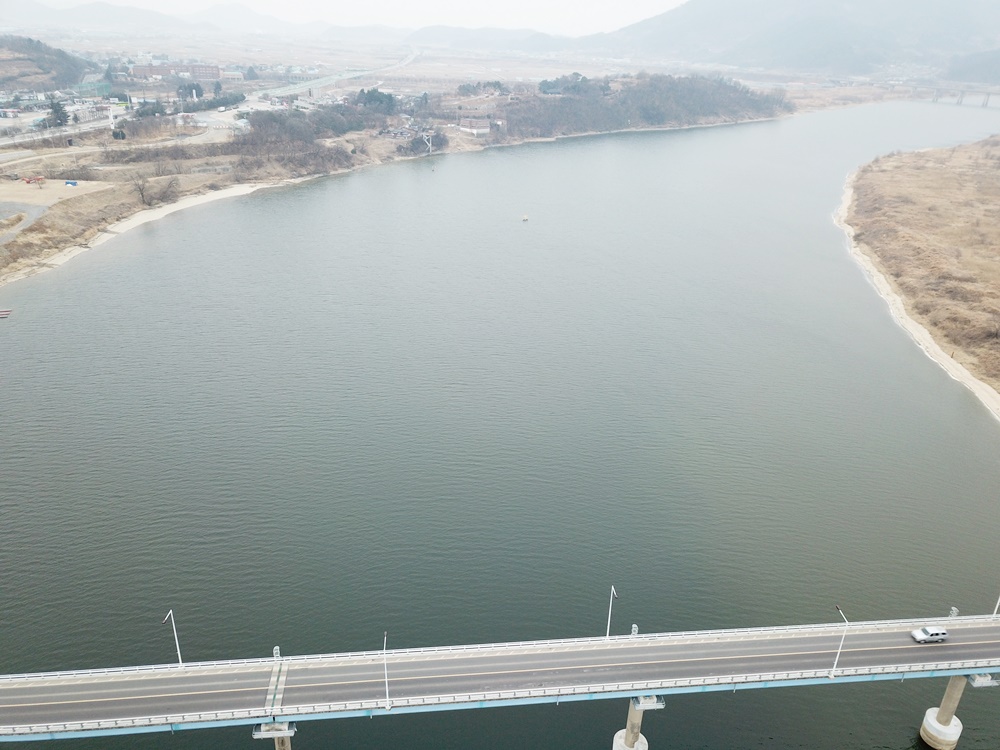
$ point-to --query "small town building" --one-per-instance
(473, 125)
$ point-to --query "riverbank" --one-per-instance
(30, 267)
(104, 198)
(961, 364)
(177, 163)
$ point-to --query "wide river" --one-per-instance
(382, 401)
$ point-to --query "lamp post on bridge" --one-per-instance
(841, 646)
(385, 667)
(611, 603)
(173, 624)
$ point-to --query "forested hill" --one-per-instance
(576, 104)
(830, 35)
(29, 64)
(982, 67)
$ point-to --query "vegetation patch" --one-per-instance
(30, 64)
(931, 223)
(576, 104)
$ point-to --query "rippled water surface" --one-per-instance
(382, 401)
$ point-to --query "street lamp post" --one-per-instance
(385, 667)
(173, 624)
(841, 646)
(611, 603)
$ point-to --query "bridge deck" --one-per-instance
(171, 697)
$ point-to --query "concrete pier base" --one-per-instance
(938, 735)
(630, 738)
(280, 732)
(619, 743)
(941, 728)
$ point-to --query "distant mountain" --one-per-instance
(982, 67)
(233, 17)
(364, 34)
(819, 36)
(29, 64)
(106, 16)
(486, 39)
(822, 35)
(32, 17)
(19, 14)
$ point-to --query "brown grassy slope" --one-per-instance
(931, 222)
(18, 71)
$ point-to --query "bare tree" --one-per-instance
(141, 186)
(151, 194)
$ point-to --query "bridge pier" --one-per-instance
(281, 732)
(630, 738)
(941, 728)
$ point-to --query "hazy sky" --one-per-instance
(569, 17)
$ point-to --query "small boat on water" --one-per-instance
(5, 313)
(525, 217)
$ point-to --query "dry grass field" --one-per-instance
(930, 221)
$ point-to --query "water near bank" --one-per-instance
(382, 401)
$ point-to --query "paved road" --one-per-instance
(67, 131)
(355, 684)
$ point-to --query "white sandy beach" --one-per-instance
(985, 393)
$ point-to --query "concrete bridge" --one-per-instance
(938, 90)
(272, 694)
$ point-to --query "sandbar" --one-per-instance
(859, 251)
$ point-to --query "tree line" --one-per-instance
(577, 104)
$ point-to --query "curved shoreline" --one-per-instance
(66, 254)
(131, 222)
(989, 397)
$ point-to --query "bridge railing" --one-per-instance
(598, 690)
(645, 687)
(543, 645)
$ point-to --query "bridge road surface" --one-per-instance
(197, 695)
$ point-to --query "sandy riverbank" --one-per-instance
(31, 267)
(378, 152)
(31, 202)
(865, 258)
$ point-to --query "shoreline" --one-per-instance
(860, 252)
(64, 255)
(625, 131)
(986, 394)
(145, 216)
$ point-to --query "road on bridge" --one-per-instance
(288, 688)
